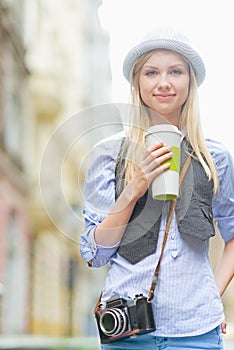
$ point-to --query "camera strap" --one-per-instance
(169, 218)
(168, 223)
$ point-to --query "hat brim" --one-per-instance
(182, 48)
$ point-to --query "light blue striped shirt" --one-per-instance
(186, 300)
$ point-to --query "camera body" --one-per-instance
(124, 318)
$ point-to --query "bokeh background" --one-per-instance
(62, 90)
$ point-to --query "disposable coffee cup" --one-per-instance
(166, 185)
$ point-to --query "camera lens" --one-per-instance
(113, 322)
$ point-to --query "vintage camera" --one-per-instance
(124, 318)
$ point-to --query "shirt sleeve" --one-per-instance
(99, 197)
(223, 203)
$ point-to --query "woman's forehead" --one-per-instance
(158, 55)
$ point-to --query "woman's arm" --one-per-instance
(225, 272)
(225, 268)
(109, 232)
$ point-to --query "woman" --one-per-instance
(164, 72)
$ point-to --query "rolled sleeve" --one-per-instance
(99, 193)
(88, 246)
(226, 228)
(95, 255)
(223, 203)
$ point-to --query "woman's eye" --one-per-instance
(150, 73)
(176, 72)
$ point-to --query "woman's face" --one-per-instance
(164, 84)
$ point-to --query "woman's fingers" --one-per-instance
(153, 148)
(154, 158)
(152, 164)
(224, 327)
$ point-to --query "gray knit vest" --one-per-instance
(193, 211)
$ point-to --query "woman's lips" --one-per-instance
(164, 96)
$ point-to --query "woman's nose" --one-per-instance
(164, 83)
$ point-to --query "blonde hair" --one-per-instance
(189, 122)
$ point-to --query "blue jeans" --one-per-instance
(211, 340)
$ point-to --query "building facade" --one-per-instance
(47, 69)
(14, 220)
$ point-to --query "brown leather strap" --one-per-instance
(98, 303)
(169, 218)
(184, 170)
(168, 224)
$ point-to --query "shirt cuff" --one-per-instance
(226, 228)
(96, 255)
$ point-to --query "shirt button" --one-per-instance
(174, 254)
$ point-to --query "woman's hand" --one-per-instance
(224, 327)
(110, 231)
(150, 166)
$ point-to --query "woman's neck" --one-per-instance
(156, 118)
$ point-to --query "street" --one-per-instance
(229, 345)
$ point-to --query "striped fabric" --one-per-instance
(186, 300)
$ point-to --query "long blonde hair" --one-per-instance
(189, 122)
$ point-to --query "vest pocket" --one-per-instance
(198, 222)
(207, 213)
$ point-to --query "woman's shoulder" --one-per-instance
(218, 150)
(110, 145)
(110, 140)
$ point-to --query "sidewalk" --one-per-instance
(228, 344)
(28, 342)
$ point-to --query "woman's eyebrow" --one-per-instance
(171, 66)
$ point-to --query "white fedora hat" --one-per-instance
(170, 40)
